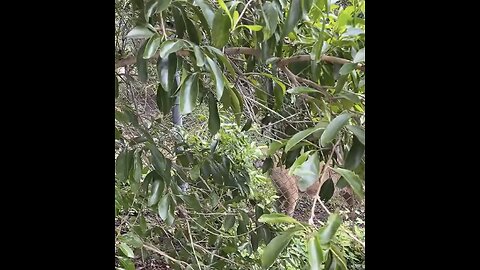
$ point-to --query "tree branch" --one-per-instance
(130, 60)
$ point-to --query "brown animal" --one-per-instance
(287, 185)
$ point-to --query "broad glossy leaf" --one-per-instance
(274, 146)
(237, 105)
(126, 250)
(353, 180)
(137, 168)
(347, 68)
(158, 160)
(171, 212)
(294, 15)
(308, 172)
(218, 76)
(157, 190)
(328, 232)
(188, 94)
(277, 218)
(315, 253)
(126, 263)
(192, 29)
(123, 165)
(302, 90)
(276, 246)
(332, 129)
(270, 17)
(354, 156)
(178, 22)
(140, 32)
(303, 134)
(207, 11)
(359, 132)
(166, 68)
(223, 59)
(132, 239)
(228, 222)
(192, 202)
(327, 190)
(199, 56)
(163, 206)
(360, 56)
(142, 64)
(220, 29)
(213, 117)
(254, 28)
(156, 6)
(164, 101)
(170, 46)
(225, 8)
(152, 46)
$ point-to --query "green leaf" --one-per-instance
(353, 180)
(360, 56)
(207, 11)
(223, 59)
(166, 68)
(170, 46)
(157, 190)
(178, 22)
(359, 132)
(213, 117)
(270, 17)
(277, 218)
(140, 32)
(137, 168)
(247, 125)
(327, 190)
(192, 202)
(276, 80)
(278, 93)
(132, 239)
(294, 15)
(251, 27)
(315, 253)
(188, 94)
(123, 165)
(347, 68)
(126, 263)
(163, 206)
(302, 90)
(328, 232)
(274, 146)
(126, 250)
(340, 83)
(171, 212)
(164, 101)
(218, 77)
(199, 56)
(158, 159)
(338, 257)
(308, 172)
(142, 64)
(191, 29)
(225, 8)
(303, 134)
(228, 222)
(156, 6)
(220, 29)
(333, 128)
(354, 156)
(276, 246)
(152, 46)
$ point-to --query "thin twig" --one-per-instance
(156, 250)
(191, 242)
(241, 14)
(324, 170)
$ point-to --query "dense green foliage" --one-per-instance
(252, 79)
